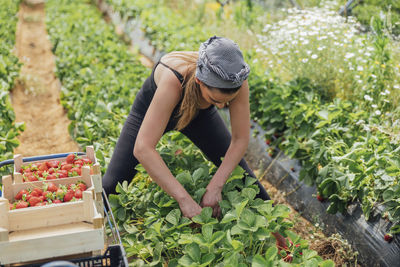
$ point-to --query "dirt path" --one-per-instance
(36, 96)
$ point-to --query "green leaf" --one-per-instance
(239, 208)
(229, 216)
(198, 174)
(249, 193)
(207, 259)
(259, 261)
(186, 260)
(327, 263)
(271, 253)
(193, 250)
(207, 231)
(185, 178)
(174, 216)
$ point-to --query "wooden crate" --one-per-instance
(54, 230)
(90, 154)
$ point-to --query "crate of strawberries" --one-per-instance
(63, 214)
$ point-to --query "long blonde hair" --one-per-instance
(192, 95)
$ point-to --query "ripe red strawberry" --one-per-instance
(75, 171)
(78, 193)
(37, 189)
(70, 158)
(388, 238)
(69, 195)
(320, 198)
(57, 201)
(82, 186)
(67, 167)
(43, 166)
(21, 205)
(78, 162)
(52, 187)
(11, 206)
(53, 164)
(268, 141)
(86, 161)
(30, 177)
(20, 194)
(62, 174)
(34, 200)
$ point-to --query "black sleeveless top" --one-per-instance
(146, 94)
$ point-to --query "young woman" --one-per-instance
(182, 94)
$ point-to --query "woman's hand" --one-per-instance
(189, 208)
(211, 198)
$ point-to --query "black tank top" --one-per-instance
(149, 87)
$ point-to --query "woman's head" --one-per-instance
(221, 65)
(215, 75)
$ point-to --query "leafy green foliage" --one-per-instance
(386, 10)
(155, 233)
(9, 71)
(100, 77)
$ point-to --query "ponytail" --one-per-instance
(192, 95)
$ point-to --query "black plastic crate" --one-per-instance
(113, 257)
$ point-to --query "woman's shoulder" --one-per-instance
(178, 61)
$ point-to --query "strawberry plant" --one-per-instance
(154, 231)
(9, 69)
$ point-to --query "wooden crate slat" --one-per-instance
(53, 241)
(54, 214)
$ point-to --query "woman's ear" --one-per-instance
(198, 81)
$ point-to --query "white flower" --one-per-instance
(314, 56)
(360, 68)
(378, 112)
(374, 105)
(396, 86)
(341, 71)
(304, 60)
(368, 98)
(349, 55)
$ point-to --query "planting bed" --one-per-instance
(367, 237)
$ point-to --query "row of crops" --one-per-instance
(9, 69)
(327, 96)
(328, 93)
(100, 78)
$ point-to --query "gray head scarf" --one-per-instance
(221, 64)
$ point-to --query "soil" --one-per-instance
(36, 95)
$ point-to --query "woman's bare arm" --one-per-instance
(165, 99)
